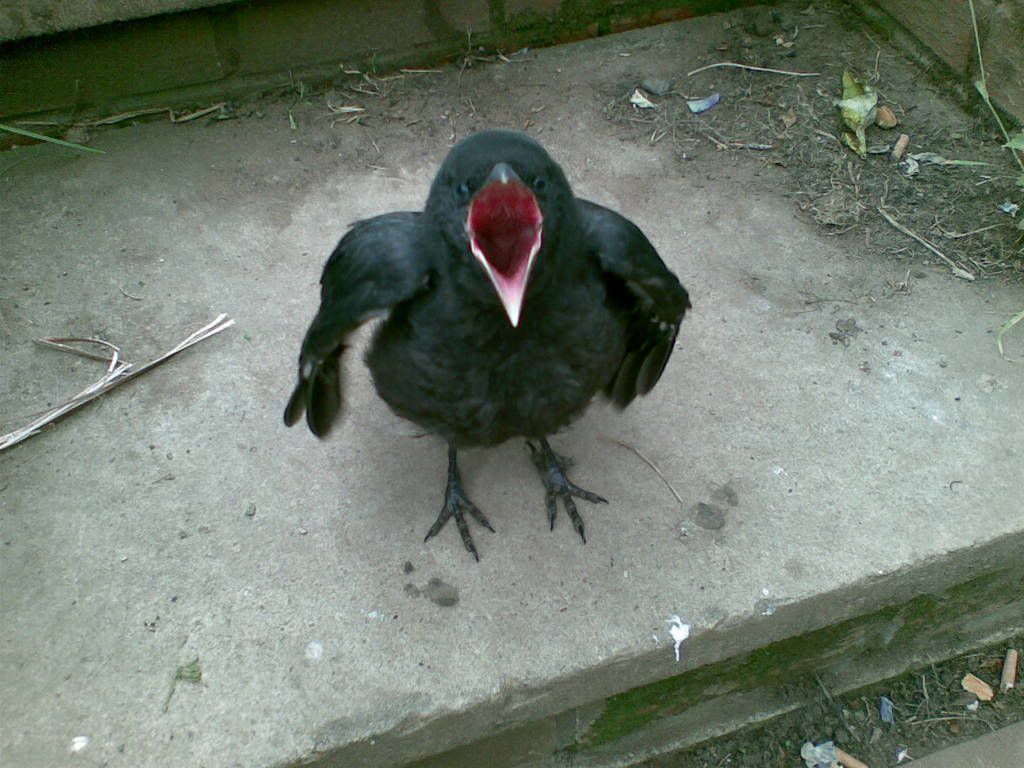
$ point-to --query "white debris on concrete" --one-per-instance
(315, 650)
(679, 632)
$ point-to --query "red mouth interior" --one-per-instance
(504, 220)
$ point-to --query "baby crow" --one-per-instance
(507, 304)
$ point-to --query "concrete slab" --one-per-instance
(842, 479)
(1001, 749)
(28, 18)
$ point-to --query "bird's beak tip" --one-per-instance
(514, 312)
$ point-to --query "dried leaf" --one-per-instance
(886, 118)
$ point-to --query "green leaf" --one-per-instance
(1016, 142)
(852, 87)
(1006, 329)
(856, 142)
(190, 672)
(980, 86)
(50, 139)
(857, 108)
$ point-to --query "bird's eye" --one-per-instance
(540, 184)
(462, 193)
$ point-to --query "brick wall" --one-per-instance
(944, 26)
(217, 52)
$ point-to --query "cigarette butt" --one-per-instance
(1009, 677)
(978, 687)
(848, 761)
(901, 147)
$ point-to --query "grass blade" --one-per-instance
(1006, 329)
(41, 137)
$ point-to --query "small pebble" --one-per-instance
(314, 650)
(885, 117)
(657, 86)
(250, 511)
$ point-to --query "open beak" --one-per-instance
(505, 229)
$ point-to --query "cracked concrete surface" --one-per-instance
(808, 463)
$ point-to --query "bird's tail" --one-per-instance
(317, 393)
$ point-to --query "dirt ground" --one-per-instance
(791, 122)
(930, 711)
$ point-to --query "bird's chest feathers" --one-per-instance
(465, 359)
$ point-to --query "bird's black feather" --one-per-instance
(378, 263)
(600, 311)
(651, 296)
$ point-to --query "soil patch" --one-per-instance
(790, 121)
(930, 711)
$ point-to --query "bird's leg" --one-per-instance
(552, 469)
(455, 503)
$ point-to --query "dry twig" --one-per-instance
(189, 116)
(118, 372)
(957, 270)
(753, 69)
(958, 235)
(648, 462)
(128, 295)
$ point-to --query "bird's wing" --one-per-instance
(652, 296)
(379, 263)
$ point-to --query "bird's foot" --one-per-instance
(552, 468)
(455, 503)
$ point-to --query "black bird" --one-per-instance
(508, 303)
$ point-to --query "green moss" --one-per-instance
(788, 660)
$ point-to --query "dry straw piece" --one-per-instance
(118, 372)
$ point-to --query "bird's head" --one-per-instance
(507, 196)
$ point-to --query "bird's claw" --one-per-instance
(455, 503)
(552, 467)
